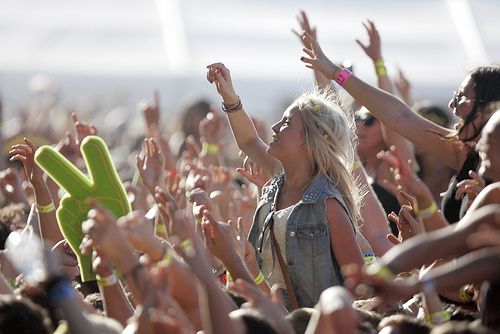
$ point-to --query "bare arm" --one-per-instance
(342, 238)
(242, 126)
(392, 112)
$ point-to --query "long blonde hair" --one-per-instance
(330, 138)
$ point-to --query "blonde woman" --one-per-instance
(305, 224)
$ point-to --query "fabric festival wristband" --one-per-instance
(343, 76)
(439, 317)
(427, 212)
(107, 281)
(260, 278)
(208, 148)
(380, 68)
(46, 208)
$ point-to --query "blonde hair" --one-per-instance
(330, 138)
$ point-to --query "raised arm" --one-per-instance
(374, 51)
(241, 124)
(390, 110)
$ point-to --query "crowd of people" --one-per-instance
(376, 214)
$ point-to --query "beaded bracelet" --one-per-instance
(46, 208)
(230, 108)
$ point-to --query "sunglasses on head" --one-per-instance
(366, 120)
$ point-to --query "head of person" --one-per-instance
(488, 148)
(402, 324)
(314, 127)
(369, 133)
(253, 320)
(191, 116)
(470, 103)
(20, 316)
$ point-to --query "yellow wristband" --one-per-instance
(260, 278)
(107, 281)
(208, 148)
(46, 208)
(376, 269)
(439, 317)
(427, 212)
(356, 165)
(380, 68)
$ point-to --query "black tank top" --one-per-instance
(453, 210)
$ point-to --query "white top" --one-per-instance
(271, 269)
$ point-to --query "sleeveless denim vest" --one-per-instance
(312, 266)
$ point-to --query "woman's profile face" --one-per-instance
(287, 135)
(463, 99)
(369, 134)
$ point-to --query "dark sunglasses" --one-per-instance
(268, 224)
(367, 120)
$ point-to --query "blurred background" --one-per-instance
(106, 55)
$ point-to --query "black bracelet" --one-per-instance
(230, 108)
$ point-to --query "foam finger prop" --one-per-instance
(104, 185)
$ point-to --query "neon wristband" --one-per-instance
(439, 317)
(343, 76)
(107, 281)
(208, 148)
(381, 271)
(260, 278)
(427, 212)
(46, 208)
(380, 68)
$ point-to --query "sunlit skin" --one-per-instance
(488, 148)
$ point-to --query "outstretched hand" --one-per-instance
(373, 49)
(25, 153)
(220, 75)
(316, 59)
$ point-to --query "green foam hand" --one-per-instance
(104, 185)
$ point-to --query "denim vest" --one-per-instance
(311, 264)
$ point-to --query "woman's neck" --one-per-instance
(297, 177)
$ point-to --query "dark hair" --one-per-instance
(197, 107)
(486, 85)
(254, 321)
(434, 113)
(405, 324)
(20, 316)
(299, 319)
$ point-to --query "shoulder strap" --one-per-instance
(284, 270)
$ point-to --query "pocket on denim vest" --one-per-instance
(313, 239)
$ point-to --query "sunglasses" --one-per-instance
(459, 99)
(367, 120)
(268, 224)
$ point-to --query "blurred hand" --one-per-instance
(82, 129)
(25, 153)
(11, 187)
(150, 164)
(470, 187)
(220, 75)
(151, 111)
(373, 49)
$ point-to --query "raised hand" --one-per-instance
(151, 111)
(373, 48)
(25, 153)
(470, 187)
(82, 129)
(211, 127)
(305, 26)
(253, 173)
(10, 185)
(316, 59)
(150, 164)
(403, 86)
(407, 225)
(220, 75)
(104, 185)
